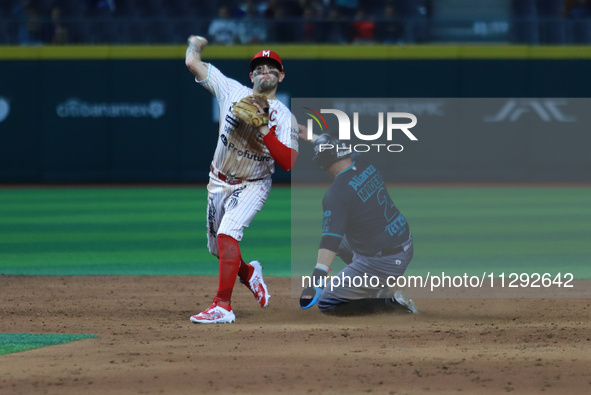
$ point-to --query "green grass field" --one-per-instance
(17, 342)
(126, 231)
(161, 230)
(475, 229)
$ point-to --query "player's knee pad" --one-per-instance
(228, 247)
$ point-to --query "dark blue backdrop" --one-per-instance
(147, 121)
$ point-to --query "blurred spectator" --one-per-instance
(578, 12)
(222, 29)
(283, 27)
(252, 29)
(269, 9)
(244, 7)
(414, 16)
(347, 8)
(525, 24)
(363, 28)
(336, 27)
(538, 21)
(310, 28)
(316, 5)
(27, 16)
(58, 33)
(552, 27)
(103, 8)
(390, 29)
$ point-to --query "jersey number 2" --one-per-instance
(389, 209)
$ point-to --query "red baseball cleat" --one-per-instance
(214, 315)
(257, 285)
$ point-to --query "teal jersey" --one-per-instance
(357, 205)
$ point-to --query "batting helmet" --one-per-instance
(328, 150)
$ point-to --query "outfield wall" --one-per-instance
(133, 114)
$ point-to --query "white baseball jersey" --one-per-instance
(241, 152)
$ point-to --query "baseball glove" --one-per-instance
(253, 109)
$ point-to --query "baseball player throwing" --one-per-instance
(255, 131)
(363, 226)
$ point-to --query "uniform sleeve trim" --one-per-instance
(347, 169)
(332, 234)
(208, 75)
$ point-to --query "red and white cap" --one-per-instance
(266, 54)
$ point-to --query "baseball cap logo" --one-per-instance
(269, 55)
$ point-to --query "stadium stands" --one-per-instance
(34, 22)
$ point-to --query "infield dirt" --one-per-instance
(146, 344)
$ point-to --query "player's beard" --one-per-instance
(266, 85)
(269, 84)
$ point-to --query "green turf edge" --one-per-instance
(17, 342)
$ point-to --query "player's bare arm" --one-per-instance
(264, 130)
(193, 57)
(326, 257)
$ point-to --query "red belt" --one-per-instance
(228, 179)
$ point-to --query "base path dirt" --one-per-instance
(146, 344)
